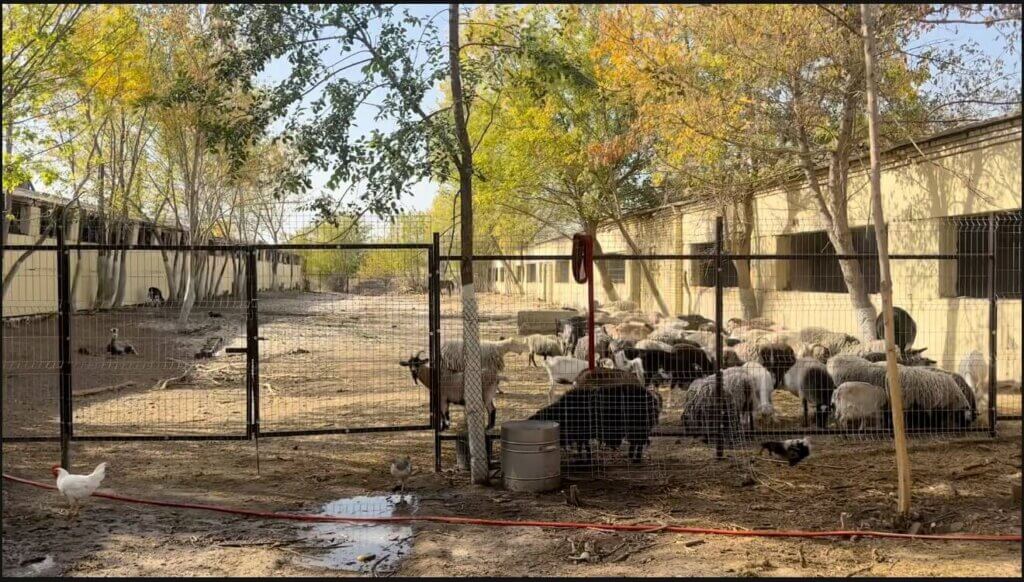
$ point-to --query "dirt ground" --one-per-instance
(330, 361)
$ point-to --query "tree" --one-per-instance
(555, 147)
(786, 82)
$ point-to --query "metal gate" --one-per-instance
(347, 380)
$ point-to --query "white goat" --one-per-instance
(974, 369)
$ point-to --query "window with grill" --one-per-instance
(972, 238)
(824, 274)
(531, 273)
(562, 271)
(92, 227)
(19, 210)
(519, 273)
(616, 270)
(705, 268)
(48, 217)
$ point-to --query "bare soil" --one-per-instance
(329, 361)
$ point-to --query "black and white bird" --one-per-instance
(119, 348)
(401, 469)
(793, 450)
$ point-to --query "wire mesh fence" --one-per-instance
(332, 332)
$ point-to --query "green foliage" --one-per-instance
(318, 263)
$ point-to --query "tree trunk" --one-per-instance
(220, 277)
(274, 258)
(475, 411)
(602, 268)
(170, 272)
(122, 280)
(74, 280)
(739, 242)
(188, 295)
(863, 309)
(882, 238)
(644, 268)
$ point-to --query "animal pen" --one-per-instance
(300, 363)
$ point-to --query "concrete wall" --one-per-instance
(962, 174)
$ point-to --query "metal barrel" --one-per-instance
(530, 455)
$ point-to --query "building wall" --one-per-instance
(968, 173)
(34, 288)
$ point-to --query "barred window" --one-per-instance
(616, 270)
(705, 268)
(562, 271)
(824, 275)
(972, 278)
(531, 273)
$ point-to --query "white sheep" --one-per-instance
(543, 346)
(974, 370)
(932, 398)
(837, 343)
(861, 403)
(492, 354)
(763, 387)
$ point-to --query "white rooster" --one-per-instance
(77, 488)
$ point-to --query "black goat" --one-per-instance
(904, 328)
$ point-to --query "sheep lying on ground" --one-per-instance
(836, 343)
(451, 391)
(860, 403)
(544, 346)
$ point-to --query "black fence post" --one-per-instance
(434, 298)
(719, 227)
(993, 326)
(252, 347)
(64, 346)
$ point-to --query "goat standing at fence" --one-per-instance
(450, 390)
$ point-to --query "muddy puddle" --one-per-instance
(365, 548)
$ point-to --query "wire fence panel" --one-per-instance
(146, 362)
(31, 366)
(330, 359)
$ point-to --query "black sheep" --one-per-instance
(607, 405)
(682, 366)
(777, 359)
(904, 328)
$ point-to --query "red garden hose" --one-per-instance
(651, 528)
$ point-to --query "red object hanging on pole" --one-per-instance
(583, 272)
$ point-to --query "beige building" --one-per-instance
(33, 289)
(938, 193)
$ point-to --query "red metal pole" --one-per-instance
(590, 301)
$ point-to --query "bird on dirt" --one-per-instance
(401, 469)
(793, 450)
(119, 348)
(215, 314)
(77, 488)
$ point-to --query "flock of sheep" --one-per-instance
(841, 378)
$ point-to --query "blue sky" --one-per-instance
(423, 193)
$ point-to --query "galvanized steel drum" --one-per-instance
(530, 456)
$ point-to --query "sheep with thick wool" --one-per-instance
(492, 354)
